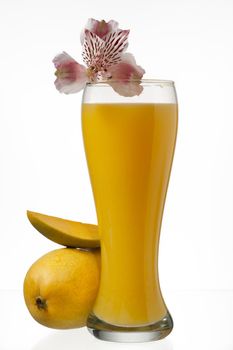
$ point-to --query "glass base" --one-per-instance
(108, 332)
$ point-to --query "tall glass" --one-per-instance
(129, 144)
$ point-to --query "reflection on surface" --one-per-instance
(81, 339)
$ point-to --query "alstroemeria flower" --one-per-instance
(104, 45)
(71, 76)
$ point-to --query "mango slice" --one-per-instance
(65, 232)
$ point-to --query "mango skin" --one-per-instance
(65, 232)
(66, 280)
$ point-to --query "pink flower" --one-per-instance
(126, 76)
(104, 45)
(71, 76)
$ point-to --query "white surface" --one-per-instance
(203, 320)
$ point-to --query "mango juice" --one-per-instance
(129, 150)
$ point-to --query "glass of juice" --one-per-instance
(129, 144)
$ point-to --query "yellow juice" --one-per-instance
(129, 150)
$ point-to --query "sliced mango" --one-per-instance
(65, 232)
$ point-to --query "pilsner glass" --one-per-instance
(129, 144)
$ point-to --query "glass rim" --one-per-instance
(141, 81)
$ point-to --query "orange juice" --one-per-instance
(129, 149)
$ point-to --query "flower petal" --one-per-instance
(126, 76)
(92, 50)
(126, 88)
(115, 44)
(99, 54)
(100, 28)
(129, 58)
(71, 76)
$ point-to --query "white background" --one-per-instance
(42, 162)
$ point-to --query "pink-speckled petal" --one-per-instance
(115, 45)
(126, 76)
(100, 54)
(71, 76)
(93, 47)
